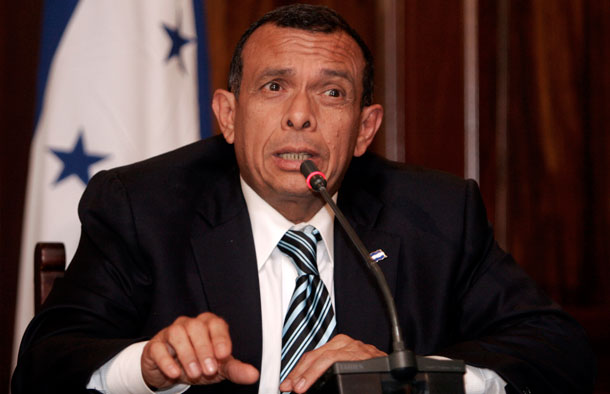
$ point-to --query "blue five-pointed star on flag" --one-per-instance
(77, 161)
(178, 41)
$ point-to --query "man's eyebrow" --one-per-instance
(280, 72)
(275, 72)
(337, 73)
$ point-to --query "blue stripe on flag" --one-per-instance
(56, 15)
(203, 77)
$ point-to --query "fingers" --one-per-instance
(193, 351)
(314, 363)
(210, 341)
(159, 363)
(239, 372)
(192, 344)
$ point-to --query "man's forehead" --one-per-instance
(337, 46)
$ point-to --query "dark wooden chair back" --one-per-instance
(49, 264)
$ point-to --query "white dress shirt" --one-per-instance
(277, 276)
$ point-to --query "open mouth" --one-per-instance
(296, 156)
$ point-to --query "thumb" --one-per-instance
(239, 372)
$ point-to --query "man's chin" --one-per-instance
(292, 183)
(293, 192)
(298, 192)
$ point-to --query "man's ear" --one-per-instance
(370, 121)
(223, 105)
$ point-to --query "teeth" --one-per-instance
(295, 156)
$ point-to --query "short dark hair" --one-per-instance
(313, 18)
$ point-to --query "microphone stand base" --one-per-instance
(374, 377)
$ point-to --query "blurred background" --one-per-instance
(513, 93)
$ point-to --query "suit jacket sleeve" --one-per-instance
(106, 283)
(507, 324)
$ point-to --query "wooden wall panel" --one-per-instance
(559, 205)
(547, 196)
(594, 312)
(19, 39)
(488, 91)
(434, 105)
(597, 105)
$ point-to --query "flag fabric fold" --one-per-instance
(119, 81)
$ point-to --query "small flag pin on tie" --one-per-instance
(378, 255)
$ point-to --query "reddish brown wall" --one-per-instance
(559, 209)
(19, 37)
(434, 105)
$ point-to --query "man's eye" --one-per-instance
(273, 86)
(333, 93)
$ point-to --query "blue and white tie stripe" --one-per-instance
(310, 321)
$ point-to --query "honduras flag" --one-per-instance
(119, 81)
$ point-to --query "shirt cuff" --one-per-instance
(123, 375)
(483, 381)
(480, 380)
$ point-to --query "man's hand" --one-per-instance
(314, 363)
(193, 351)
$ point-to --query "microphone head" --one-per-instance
(315, 178)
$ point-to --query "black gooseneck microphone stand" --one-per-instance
(399, 372)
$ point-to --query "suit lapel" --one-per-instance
(361, 312)
(223, 247)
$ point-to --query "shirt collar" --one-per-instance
(269, 226)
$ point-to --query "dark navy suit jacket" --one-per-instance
(171, 236)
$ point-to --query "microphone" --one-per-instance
(314, 177)
(402, 363)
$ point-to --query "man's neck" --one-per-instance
(296, 209)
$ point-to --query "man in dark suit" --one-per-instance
(174, 276)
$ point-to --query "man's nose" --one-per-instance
(299, 114)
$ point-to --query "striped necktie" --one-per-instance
(310, 321)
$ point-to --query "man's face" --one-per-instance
(299, 99)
